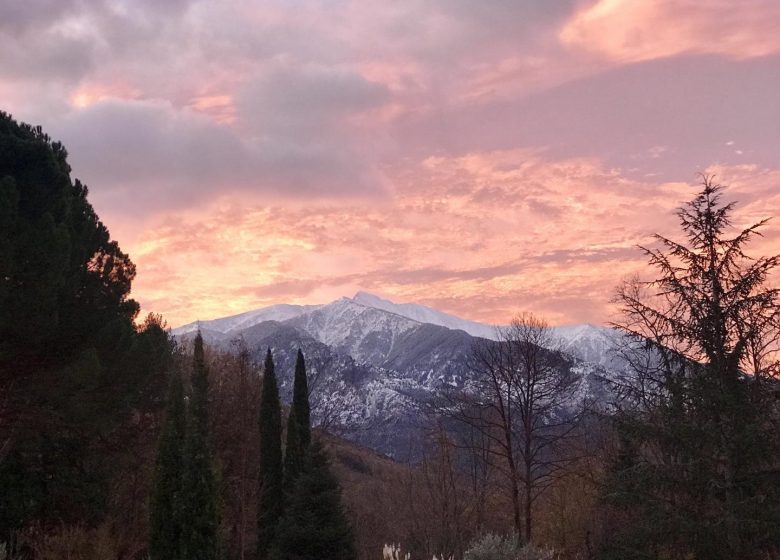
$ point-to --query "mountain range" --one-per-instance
(372, 362)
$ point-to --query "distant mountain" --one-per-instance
(372, 361)
(425, 314)
(225, 325)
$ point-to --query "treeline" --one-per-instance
(681, 460)
(299, 512)
(114, 442)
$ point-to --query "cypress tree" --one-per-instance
(298, 425)
(200, 540)
(315, 524)
(165, 530)
(270, 491)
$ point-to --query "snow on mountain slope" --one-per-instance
(280, 312)
(587, 342)
(376, 361)
(590, 343)
(425, 314)
(365, 333)
(368, 327)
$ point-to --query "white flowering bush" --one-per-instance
(493, 547)
(393, 552)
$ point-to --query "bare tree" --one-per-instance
(520, 400)
(236, 390)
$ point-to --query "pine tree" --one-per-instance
(298, 425)
(315, 524)
(695, 476)
(165, 530)
(200, 538)
(270, 491)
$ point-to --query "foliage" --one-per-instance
(270, 491)
(694, 474)
(315, 524)
(298, 425)
(200, 540)
(74, 369)
(493, 547)
(64, 280)
(165, 525)
(498, 547)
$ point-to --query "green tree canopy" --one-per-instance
(298, 425)
(165, 523)
(199, 518)
(696, 471)
(63, 280)
(270, 476)
(315, 524)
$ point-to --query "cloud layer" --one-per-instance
(481, 157)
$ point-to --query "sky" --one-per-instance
(481, 157)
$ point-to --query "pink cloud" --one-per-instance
(636, 30)
(481, 157)
(483, 235)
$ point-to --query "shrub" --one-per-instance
(493, 547)
(497, 547)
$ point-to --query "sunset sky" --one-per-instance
(483, 157)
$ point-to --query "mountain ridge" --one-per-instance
(372, 364)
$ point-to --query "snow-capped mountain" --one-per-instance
(425, 314)
(375, 361)
(225, 325)
(354, 326)
(366, 333)
(590, 343)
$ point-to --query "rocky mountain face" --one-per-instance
(372, 362)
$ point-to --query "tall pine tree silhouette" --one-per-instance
(298, 425)
(315, 525)
(200, 541)
(165, 529)
(270, 491)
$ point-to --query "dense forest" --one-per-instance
(118, 441)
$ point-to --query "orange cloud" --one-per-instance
(636, 30)
(483, 235)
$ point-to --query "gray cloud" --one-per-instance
(137, 155)
(692, 105)
(295, 98)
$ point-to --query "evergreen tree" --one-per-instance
(298, 425)
(73, 367)
(165, 530)
(270, 491)
(315, 524)
(696, 472)
(200, 539)
(63, 281)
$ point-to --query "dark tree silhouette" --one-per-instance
(314, 525)
(270, 479)
(298, 425)
(199, 523)
(695, 474)
(165, 523)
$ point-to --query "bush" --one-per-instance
(497, 547)
(493, 547)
